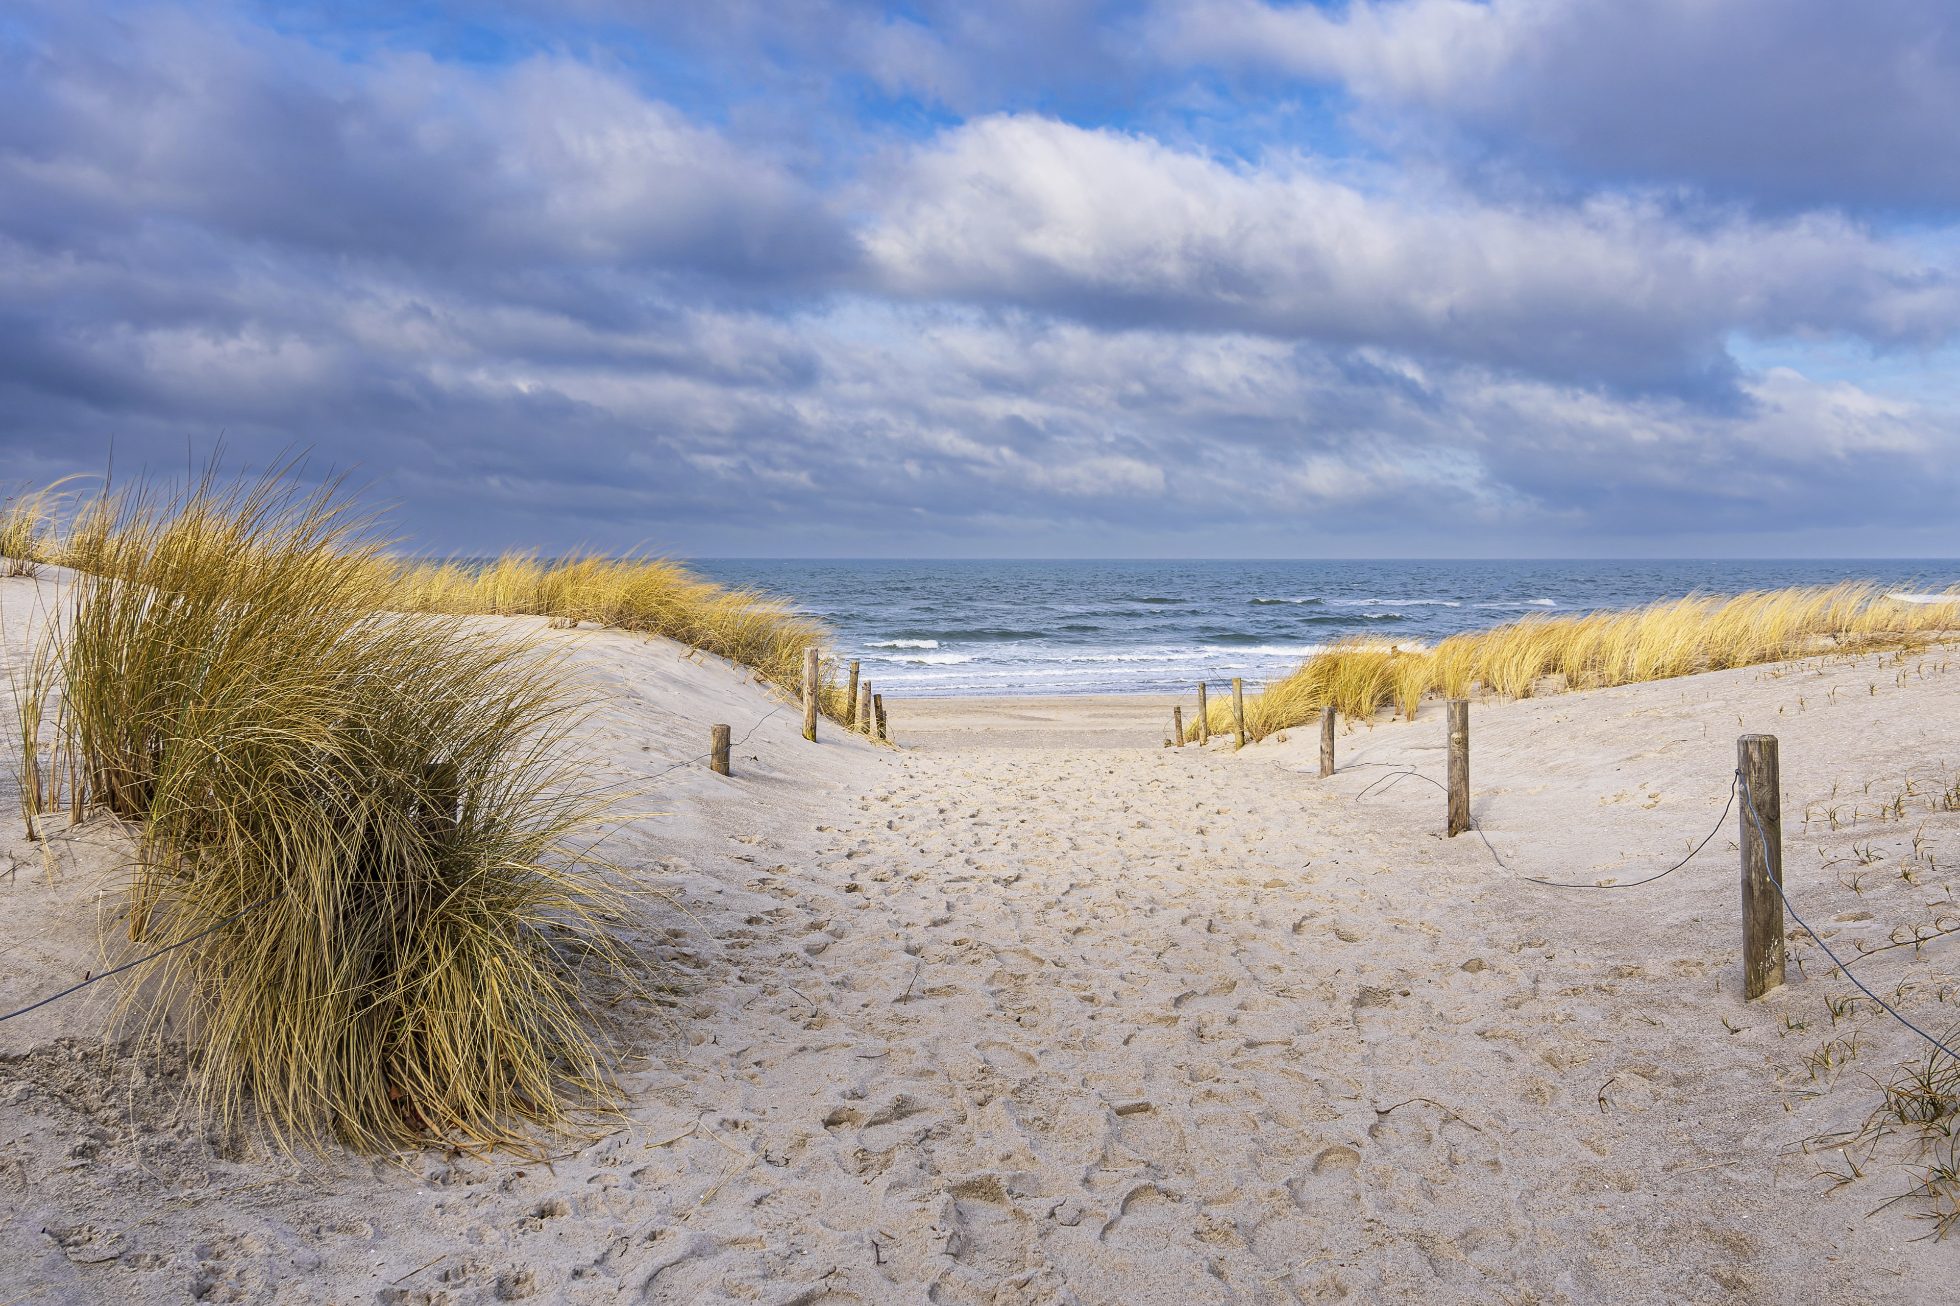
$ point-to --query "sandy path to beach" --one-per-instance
(1180, 1026)
(1012, 1020)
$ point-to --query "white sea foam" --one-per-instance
(931, 659)
(1142, 655)
(1396, 603)
(903, 643)
(1279, 650)
(1197, 656)
(1924, 598)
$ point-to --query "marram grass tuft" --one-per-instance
(648, 595)
(1596, 650)
(28, 531)
(366, 819)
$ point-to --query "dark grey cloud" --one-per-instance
(1786, 102)
(953, 430)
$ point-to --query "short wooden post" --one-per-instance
(718, 756)
(1177, 726)
(878, 710)
(864, 706)
(1204, 716)
(1326, 741)
(851, 694)
(810, 694)
(1762, 862)
(1459, 768)
(1238, 710)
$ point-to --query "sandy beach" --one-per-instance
(619, 621)
(1033, 1009)
(1096, 721)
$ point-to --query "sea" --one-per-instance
(935, 628)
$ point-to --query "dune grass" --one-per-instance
(1361, 677)
(651, 596)
(365, 819)
(27, 531)
(648, 595)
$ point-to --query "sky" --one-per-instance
(1179, 278)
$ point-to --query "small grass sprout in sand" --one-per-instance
(1923, 1103)
(1540, 654)
(363, 822)
(1920, 1102)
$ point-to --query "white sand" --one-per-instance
(981, 1021)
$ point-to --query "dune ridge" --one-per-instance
(999, 1017)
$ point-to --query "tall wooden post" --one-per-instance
(864, 706)
(851, 694)
(1326, 741)
(1238, 710)
(1762, 862)
(1204, 716)
(878, 711)
(1459, 768)
(810, 694)
(1177, 726)
(718, 756)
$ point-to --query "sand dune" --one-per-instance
(1010, 1016)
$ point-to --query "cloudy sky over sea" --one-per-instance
(1030, 278)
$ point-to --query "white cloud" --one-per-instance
(268, 139)
(1113, 226)
(543, 291)
(1786, 102)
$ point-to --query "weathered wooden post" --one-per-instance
(1177, 726)
(1204, 716)
(718, 756)
(878, 710)
(1238, 710)
(1762, 863)
(864, 706)
(851, 694)
(1459, 769)
(810, 694)
(1326, 741)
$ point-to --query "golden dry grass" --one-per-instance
(1594, 650)
(651, 596)
(647, 595)
(364, 821)
(28, 532)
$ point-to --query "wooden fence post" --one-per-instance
(1238, 710)
(1204, 716)
(851, 694)
(878, 711)
(1177, 726)
(1459, 768)
(810, 694)
(1326, 741)
(1762, 862)
(718, 758)
(863, 717)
